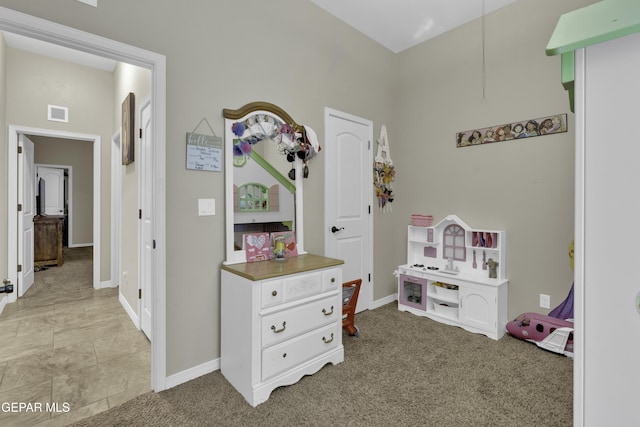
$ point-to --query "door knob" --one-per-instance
(335, 229)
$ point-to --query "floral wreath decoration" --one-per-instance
(256, 128)
(384, 172)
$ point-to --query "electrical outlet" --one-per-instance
(545, 301)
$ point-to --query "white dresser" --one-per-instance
(280, 322)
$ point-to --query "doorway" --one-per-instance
(14, 271)
(51, 32)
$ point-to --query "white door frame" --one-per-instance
(329, 146)
(52, 32)
(116, 197)
(145, 238)
(12, 163)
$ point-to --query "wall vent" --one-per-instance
(58, 114)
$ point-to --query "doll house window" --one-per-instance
(453, 243)
(253, 197)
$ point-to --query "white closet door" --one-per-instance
(54, 189)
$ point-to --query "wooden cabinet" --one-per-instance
(456, 275)
(47, 240)
(281, 320)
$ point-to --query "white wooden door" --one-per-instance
(27, 199)
(349, 198)
(54, 189)
(146, 267)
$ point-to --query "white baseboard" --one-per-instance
(384, 301)
(107, 284)
(132, 314)
(192, 373)
(79, 245)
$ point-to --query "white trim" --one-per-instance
(12, 163)
(107, 284)
(130, 311)
(51, 32)
(3, 302)
(143, 163)
(579, 243)
(116, 215)
(383, 301)
(193, 373)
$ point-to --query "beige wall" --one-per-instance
(78, 155)
(291, 53)
(36, 81)
(526, 186)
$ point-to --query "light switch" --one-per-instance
(206, 207)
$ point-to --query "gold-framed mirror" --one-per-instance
(260, 195)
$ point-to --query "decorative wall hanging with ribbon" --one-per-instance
(292, 141)
(383, 172)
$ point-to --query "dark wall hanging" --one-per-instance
(128, 128)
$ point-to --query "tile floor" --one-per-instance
(68, 354)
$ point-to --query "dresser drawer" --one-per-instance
(289, 323)
(330, 279)
(302, 285)
(271, 293)
(288, 354)
(274, 292)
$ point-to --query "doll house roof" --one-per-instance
(450, 219)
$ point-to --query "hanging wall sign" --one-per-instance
(516, 130)
(204, 152)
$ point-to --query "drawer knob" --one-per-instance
(333, 279)
(327, 341)
(284, 355)
(327, 313)
(277, 331)
(274, 293)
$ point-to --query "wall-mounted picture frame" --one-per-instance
(128, 128)
(517, 130)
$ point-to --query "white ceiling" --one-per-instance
(401, 24)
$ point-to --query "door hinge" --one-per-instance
(19, 207)
(139, 213)
(154, 243)
(369, 144)
(140, 133)
(19, 268)
(139, 293)
(19, 150)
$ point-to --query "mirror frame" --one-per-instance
(231, 117)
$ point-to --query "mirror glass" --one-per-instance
(260, 196)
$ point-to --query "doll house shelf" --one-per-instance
(456, 275)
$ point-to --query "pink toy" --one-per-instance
(546, 332)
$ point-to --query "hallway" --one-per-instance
(68, 351)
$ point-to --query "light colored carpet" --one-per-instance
(403, 370)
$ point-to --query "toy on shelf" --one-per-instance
(553, 332)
